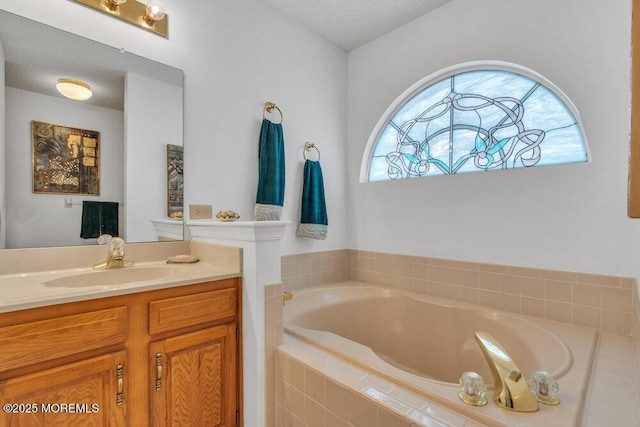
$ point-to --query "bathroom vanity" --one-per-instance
(156, 352)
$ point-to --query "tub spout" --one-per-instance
(511, 389)
(286, 296)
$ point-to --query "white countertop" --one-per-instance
(29, 290)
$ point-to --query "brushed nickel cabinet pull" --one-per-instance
(119, 394)
(159, 371)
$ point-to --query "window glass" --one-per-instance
(477, 120)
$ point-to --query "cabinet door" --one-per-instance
(86, 393)
(194, 379)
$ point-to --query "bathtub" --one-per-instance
(424, 344)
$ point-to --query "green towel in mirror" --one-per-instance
(99, 218)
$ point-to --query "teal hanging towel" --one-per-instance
(271, 172)
(313, 216)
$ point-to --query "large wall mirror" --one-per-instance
(137, 107)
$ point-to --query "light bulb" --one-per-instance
(154, 12)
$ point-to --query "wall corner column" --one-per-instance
(260, 243)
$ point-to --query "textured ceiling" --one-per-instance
(352, 23)
(37, 55)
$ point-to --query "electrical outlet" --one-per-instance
(200, 212)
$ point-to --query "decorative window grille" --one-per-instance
(471, 118)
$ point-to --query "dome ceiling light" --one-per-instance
(74, 89)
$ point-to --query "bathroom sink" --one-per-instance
(117, 276)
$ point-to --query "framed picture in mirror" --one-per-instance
(175, 181)
(65, 159)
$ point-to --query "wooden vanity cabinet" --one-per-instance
(74, 394)
(195, 372)
(169, 357)
(195, 379)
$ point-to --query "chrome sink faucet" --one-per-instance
(511, 390)
(115, 255)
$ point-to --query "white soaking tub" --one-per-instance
(424, 344)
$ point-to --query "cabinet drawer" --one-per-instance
(34, 342)
(181, 312)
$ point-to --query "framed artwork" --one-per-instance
(175, 181)
(65, 159)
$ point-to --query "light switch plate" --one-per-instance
(200, 212)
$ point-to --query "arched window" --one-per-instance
(474, 117)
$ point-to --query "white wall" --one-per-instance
(42, 219)
(254, 54)
(570, 217)
(153, 119)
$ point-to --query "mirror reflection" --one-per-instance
(136, 107)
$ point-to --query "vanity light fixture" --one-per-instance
(149, 14)
(74, 89)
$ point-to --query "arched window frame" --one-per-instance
(440, 75)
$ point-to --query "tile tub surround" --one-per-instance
(313, 269)
(316, 389)
(607, 303)
(614, 397)
(392, 270)
(611, 398)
